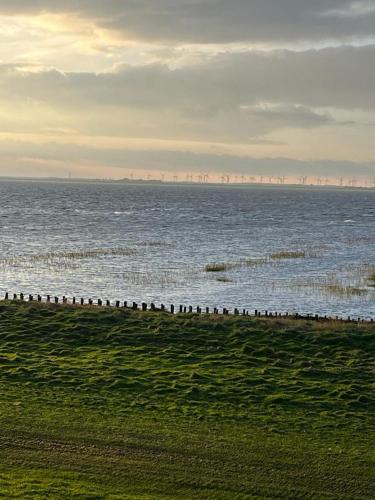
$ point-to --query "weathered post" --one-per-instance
(90, 302)
(56, 300)
(117, 303)
(190, 309)
(135, 306)
(172, 309)
(125, 303)
(82, 301)
(181, 308)
(153, 308)
(185, 309)
(48, 298)
(39, 298)
(162, 307)
(22, 296)
(207, 310)
(144, 306)
(74, 301)
(100, 302)
(108, 303)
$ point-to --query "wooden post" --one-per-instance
(56, 300)
(74, 301)
(181, 308)
(207, 310)
(184, 309)
(244, 312)
(22, 296)
(117, 303)
(90, 302)
(153, 308)
(199, 310)
(144, 306)
(108, 303)
(135, 306)
(6, 296)
(190, 309)
(14, 296)
(172, 309)
(82, 301)
(162, 307)
(48, 298)
(64, 299)
(100, 302)
(125, 303)
(39, 298)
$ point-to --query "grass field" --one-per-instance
(107, 403)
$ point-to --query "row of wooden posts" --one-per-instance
(180, 309)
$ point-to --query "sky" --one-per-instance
(239, 88)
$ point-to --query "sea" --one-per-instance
(255, 247)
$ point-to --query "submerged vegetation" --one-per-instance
(289, 254)
(217, 267)
(111, 403)
(64, 257)
(255, 262)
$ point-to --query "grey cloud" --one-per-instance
(341, 77)
(218, 21)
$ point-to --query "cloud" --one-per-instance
(216, 21)
(230, 97)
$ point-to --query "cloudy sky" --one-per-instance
(106, 88)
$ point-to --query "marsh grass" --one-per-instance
(65, 258)
(217, 267)
(289, 254)
(345, 290)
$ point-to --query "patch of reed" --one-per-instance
(289, 254)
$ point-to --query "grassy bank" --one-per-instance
(106, 403)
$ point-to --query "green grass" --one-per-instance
(106, 403)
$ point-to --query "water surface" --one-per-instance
(152, 243)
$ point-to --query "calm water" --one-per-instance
(57, 238)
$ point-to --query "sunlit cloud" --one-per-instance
(257, 79)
